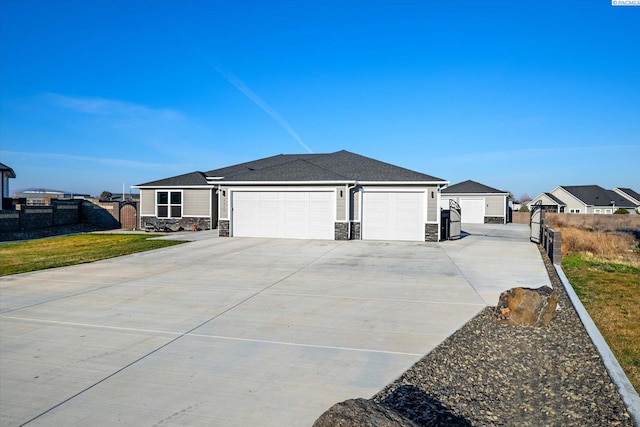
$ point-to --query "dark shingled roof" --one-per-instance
(594, 195)
(341, 166)
(472, 187)
(187, 179)
(555, 199)
(629, 192)
(5, 168)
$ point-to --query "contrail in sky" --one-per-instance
(260, 103)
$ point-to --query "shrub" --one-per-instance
(621, 211)
(523, 208)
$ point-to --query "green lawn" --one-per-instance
(22, 257)
(611, 294)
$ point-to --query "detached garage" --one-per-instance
(335, 196)
(479, 203)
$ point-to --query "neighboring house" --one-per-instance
(590, 199)
(7, 173)
(335, 196)
(479, 203)
(630, 195)
(39, 196)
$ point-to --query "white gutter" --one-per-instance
(152, 187)
(438, 183)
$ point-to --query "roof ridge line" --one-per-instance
(326, 169)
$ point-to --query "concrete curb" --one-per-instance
(619, 378)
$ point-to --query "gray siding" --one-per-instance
(569, 200)
(224, 203)
(196, 202)
(494, 205)
(432, 204)
(341, 204)
(147, 203)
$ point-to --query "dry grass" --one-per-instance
(611, 237)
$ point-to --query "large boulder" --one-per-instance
(527, 307)
(361, 413)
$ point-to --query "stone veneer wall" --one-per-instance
(184, 223)
(223, 227)
(341, 231)
(494, 220)
(355, 231)
(431, 232)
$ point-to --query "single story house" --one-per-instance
(335, 196)
(479, 203)
(584, 199)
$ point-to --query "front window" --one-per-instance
(169, 204)
(597, 211)
(608, 211)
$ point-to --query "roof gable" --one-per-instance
(555, 199)
(470, 186)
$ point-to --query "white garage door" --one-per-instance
(472, 211)
(393, 216)
(293, 214)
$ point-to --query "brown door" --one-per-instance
(128, 215)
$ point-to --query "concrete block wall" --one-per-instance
(552, 243)
(34, 217)
(9, 221)
(102, 214)
(66, 213)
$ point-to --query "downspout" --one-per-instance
(216, 194)
(349, 188)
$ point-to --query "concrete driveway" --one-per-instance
(239, 331)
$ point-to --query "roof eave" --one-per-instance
(148, 187)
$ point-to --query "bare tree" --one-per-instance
(524, 199)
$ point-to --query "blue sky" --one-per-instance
(518, 95)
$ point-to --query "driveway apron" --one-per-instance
(230, 331)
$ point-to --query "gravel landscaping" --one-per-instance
(491, 374)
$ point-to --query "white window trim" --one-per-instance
(169, 205)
